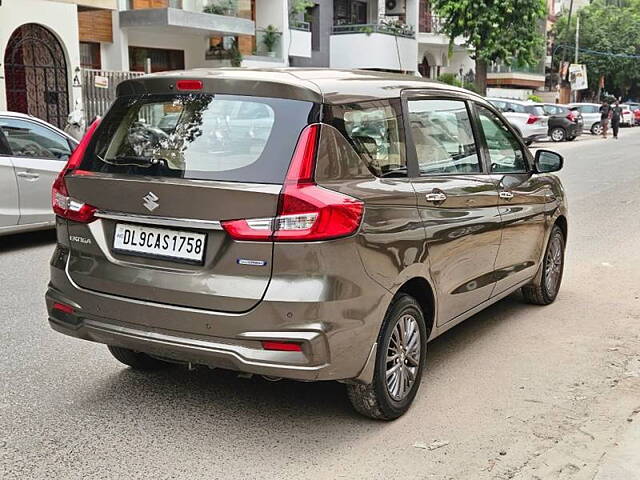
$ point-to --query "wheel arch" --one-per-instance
(561, 221)
(420, 289)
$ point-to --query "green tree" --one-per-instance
(610, 30)
(495, 30)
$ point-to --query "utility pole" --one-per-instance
(577, 56)
(564, 79)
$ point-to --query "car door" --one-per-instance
(38, 155)
(522, 200)
(9, 206)
(458, 201)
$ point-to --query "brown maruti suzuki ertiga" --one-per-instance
(299, 223)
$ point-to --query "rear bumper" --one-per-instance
(336, 337)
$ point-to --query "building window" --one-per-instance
(350, 12)
(161, 59)
(90, 55)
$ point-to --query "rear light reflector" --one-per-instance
(532, 119)
(64, 308)
(183, 85)
(282, 346)
(64, 205)
(306, 211)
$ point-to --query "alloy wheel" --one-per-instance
(557, 135)
(403, 357)
(553, 266)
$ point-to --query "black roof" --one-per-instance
(311, 84)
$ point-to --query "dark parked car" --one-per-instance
(565, 123)
(349, 219)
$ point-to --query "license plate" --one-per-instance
(159, 242)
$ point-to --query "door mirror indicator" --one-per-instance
(547, 161)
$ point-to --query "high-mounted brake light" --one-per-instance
(282, 346)
(532, 119)
(306, 211)
(184, 85)
(64, 205)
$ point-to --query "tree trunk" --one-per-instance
(481, 76)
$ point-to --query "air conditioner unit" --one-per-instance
(395, 7)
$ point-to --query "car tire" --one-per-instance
(558, 134)
(388, 400)
(544, 289)
(596, 128)
(136, 360)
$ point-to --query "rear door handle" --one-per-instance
(504, 195)
(28, 175)
(436, 197)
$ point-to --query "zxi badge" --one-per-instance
(151, 201)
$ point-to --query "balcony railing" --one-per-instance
(431, 24)
(369, 28)
(299, 25)
(537, 69)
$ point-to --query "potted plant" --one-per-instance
(270, 38)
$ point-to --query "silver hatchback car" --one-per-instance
(32, 154)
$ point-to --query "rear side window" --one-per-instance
(516, 107)
(374, 129)
(27, 139)
(207, 137)
(535, 110)
(443, 137)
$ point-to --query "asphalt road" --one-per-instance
(517, 391)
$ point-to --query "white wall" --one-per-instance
(276, 13)
(460, 59)
(115, 56)
(60, 18)
(377, 50)
(300, 44)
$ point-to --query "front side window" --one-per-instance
(28, 139)
(443, 137)
(375, 131)
(505, 152)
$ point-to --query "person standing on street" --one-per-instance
(616, 115)
(605, 113)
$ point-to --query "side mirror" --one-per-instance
(547, 161)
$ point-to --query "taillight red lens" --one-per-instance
(306, 211)
(572, 116)
(282, 346)
(532, 119)
(63, 307)
(63, 205)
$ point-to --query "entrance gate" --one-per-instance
(36, 74)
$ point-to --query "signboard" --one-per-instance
(578, 76)
(101, 82)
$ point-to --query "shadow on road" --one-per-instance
(181, 395)
(24, 241)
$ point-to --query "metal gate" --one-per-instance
(99, 90)
(36, 74)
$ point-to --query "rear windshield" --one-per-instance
(205, 137)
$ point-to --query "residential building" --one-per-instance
(46, 44)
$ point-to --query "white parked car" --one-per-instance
(628, 118)
(590, 116)
(32, 153)
(528, 119)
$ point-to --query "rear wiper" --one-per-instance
(132, 160)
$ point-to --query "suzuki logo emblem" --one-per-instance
(151, 201)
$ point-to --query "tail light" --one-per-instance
(306, 211)
(572, 116)
(532, 119)
(64, 205)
